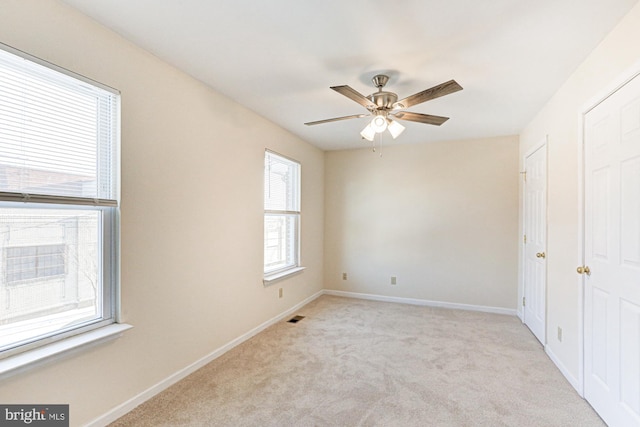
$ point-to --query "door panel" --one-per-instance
(599, 354)
(630, 215)
(630, 354)
(600, 219)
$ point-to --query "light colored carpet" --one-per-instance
(365, 363)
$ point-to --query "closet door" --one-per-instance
(611, 270)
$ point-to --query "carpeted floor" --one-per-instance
(364, 363)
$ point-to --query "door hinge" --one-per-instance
(524, 175)
(525, 239)
(524, 301)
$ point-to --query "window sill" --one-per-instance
(281, 275)
(20, 362)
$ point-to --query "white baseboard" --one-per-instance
(423, 302)
(130, 404)
(572, 380)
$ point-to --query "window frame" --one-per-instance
(106, 324)
(272, 275)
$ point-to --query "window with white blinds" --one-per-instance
(281, 213)
(59, 180)
(57, 136)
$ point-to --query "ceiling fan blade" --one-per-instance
(319, 122)
(426, 95)
(421, 118)
(355, 95)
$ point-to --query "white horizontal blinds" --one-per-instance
(281, 184)
(282, 212)
(57, 136)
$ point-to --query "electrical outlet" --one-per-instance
(559, 334)
(344, 276)
(280, 293)
(393, 280)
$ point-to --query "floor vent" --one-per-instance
(295, 319)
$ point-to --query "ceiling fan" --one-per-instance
(384, 107)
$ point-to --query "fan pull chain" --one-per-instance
(373, 144)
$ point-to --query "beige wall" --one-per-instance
(442, 217)
(560, 119)
(192, 164)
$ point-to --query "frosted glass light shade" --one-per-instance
(395, 128)
(368, 133)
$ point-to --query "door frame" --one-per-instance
(616, 84)
(544, 142)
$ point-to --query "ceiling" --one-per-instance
(279, 57)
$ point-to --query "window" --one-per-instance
(281, 214)
(59, 178)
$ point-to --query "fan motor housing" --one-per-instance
(383, 100)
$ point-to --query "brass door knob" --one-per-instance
(584, 270)
(541, 255)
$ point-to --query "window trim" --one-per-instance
(275, 275)
(110, 326)
(272, 278)
(52, 351)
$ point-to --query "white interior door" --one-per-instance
(535, 228)
(612, 254)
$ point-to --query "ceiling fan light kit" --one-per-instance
(384, 106)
